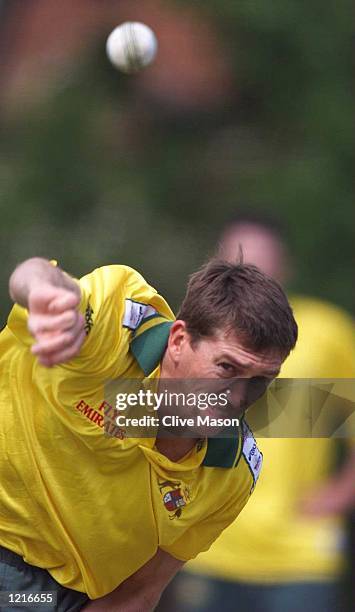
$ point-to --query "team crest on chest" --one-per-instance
(175, 496)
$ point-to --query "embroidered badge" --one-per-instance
(175, 497)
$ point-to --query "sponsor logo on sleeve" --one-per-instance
(89, 322)
(252, 455)
(135, 312)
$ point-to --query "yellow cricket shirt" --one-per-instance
(272, 541)
(93, 509)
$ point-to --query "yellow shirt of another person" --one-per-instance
(93, 509)
(272, 541)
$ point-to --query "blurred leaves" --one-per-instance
(98, 172)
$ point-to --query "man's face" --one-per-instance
(224, 356)
(223, 362)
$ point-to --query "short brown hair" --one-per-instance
(243, 299)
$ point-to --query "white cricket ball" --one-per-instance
(131, 46)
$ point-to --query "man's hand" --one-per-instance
(51, 297)
(336, 495)
(55, 323)
(333, 498)
(113, 603)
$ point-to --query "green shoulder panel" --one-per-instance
(149, 342)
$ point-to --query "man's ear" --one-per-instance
(178, 340)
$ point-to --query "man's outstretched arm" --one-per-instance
(336, 495)
(52, 299)
(141, 591)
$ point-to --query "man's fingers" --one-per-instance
(54, 343)
(52, 300)
(61, 303)
(40, 297)
(62, 356)
(58, 340)
(38, 324)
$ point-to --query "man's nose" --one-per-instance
(238, 393)
(246, 391)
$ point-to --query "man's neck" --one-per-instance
(175, 448)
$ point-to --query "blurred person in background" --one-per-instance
(288, 552)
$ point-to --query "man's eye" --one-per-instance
(226, 367)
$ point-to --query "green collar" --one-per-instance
(224, 452)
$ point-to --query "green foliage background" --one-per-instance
(78, 186)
